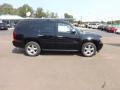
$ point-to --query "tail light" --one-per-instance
(14, 35)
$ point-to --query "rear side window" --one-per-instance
(47, 27)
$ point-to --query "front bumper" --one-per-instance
(100, 45)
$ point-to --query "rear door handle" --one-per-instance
(59, 36)
(40, 35)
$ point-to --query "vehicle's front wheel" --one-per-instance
(32, 49)
(88, 49)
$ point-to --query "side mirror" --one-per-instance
(73, 31)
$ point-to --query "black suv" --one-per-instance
(54, 35)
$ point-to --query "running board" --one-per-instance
(60, 50)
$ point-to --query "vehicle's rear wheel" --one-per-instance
(88, 49)
(32, 49)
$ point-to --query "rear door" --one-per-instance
(47, 34)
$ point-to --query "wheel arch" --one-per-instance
(31, 39)
(96, 42)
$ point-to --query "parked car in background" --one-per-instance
(3, 26)
(82, 25)
(111, 29)
(93, 25)
(100, 27)
(118, 30)
(103, 27)
(55, 35)
(89, 25)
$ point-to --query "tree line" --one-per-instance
(21, 11)
(114, 22)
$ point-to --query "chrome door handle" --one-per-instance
(40, 35)
(59, 36)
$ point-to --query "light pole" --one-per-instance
(81, 19)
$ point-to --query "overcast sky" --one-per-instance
(88, 10)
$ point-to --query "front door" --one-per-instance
(65, 39)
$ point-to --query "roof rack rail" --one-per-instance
(51, 18)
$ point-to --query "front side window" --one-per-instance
(63, 28)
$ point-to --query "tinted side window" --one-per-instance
(47, 28)
(21, 26)
(43, 27)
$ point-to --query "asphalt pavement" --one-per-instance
(60, 70)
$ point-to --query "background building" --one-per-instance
(10, 20)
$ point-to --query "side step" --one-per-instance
(60, 50)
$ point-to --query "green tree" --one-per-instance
(40, 13)
(47, 14)
(53, 15)
(66, 15)
(15, 11)
(6, 9)
(102, 22)
(79, 22)
(24, 9)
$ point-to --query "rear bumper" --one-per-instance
(19, 44)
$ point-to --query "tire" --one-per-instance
(32, 49)
(88, 49)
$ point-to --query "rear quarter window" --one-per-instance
(25, 26)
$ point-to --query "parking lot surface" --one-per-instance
(60, 70)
